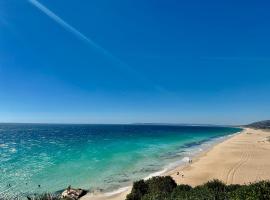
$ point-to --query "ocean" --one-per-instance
(37, 158)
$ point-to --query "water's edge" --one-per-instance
(205, 146)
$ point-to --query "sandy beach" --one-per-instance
(241, 159)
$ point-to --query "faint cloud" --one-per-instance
(90, 42)
(68, 27)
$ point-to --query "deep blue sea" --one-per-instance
(94, 157)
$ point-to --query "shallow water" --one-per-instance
(92, 156)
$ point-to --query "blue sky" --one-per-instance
(107, 61)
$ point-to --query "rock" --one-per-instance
(72, 193)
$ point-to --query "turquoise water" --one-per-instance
(92, 156)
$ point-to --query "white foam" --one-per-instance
(118, 191)
(13, 150)
(3, 145)
(156, 173)
(186, 159)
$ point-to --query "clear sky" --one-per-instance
(122, 61)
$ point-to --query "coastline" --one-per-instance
(108, 161)
(181, 165)
(241, 159)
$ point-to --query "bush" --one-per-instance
(259, 190)
(232, 187)
(217, 189)
(139, 189)
(215, 185)
(163, 185)
(181, 192)
(156, 196)
(164, 188)
(156, 188)
(200, 193)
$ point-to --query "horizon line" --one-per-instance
(130, 123)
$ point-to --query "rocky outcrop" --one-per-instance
(73, 194)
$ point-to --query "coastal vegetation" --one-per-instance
(165, 188)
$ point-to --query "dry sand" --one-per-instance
(241, 159)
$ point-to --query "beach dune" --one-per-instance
(241, 159)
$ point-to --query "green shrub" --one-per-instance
(164, 188)
(139, 189)
(134, 196)
(156, 196)
(156, 188)
(161, 185)
(217, 189)
(215, 185)
(181, 192)
(232, 187)
(259, 190)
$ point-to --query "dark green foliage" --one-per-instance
(156, 196)
(215, 185)
(260, 190)
(232, 187)
(139, 189)
(164, 188)
(181, 192)
(217, 189)
(164, 185)
(156, 188)
(183, 188)
(141, 186)
(199, 193)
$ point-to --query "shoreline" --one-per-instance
(241, 159)
(121, 193)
